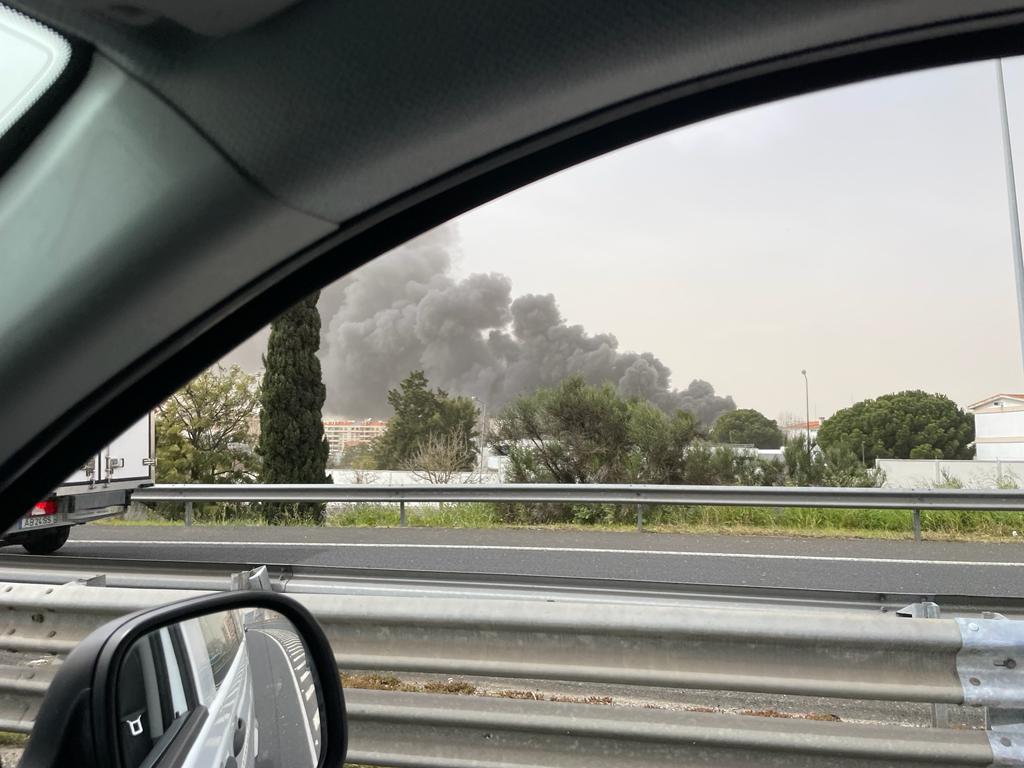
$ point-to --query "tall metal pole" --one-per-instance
(1011, 194)
(807, 411)
(483, 437)
(482, 413)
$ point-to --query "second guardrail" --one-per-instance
(639, 495)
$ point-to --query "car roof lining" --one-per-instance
(390, 95)
(72, 432)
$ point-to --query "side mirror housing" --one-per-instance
(231, 680)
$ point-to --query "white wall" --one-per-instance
(930, 473)
(1004, 427)
(995, 451)
(399, 477)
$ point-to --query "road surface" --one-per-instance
(285, 700)
(847, 564)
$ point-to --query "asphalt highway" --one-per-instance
(849, 564)
(284, 700)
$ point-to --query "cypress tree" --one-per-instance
(292, 443)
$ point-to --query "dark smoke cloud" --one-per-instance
(405, 311)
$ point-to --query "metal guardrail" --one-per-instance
(298, 578)
(728, 495)
(639, 495)
(835, 653)
(403, 729)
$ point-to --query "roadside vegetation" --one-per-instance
(797, 521)
(788, 521)
(575, 432)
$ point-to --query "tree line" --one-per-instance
(574, 432)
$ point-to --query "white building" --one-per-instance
(345, 433)
(999, 427)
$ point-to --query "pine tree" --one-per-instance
(292, 443)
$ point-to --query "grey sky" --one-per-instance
(860, 233)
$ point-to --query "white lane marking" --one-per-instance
(314, 750)
(584, 550)
(309, 692)
(303, 676)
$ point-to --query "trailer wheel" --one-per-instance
(45, 543)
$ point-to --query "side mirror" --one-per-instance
(232, 680)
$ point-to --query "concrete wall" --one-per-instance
(931, 473)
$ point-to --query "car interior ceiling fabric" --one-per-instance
(335, 107)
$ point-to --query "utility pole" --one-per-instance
(1011, 194)
(807, 411)
(483, 437)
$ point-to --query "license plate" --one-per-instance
(37, 522)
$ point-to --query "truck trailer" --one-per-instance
(100, 488)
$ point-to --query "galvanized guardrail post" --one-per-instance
(401, 514)
(917, 526)
(640, 518)
(929, 610)
(188, 513)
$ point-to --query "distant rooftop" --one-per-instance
(813, 424)
(993, 400)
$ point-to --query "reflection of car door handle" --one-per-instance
(239, 741)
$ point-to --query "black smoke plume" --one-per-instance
(405, 311)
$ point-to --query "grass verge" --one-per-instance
(788, 521)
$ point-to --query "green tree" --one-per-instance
(835, 466)
(577, 433)
(658, 444)
(203, 431)
(573, 433)
(425, 416)
(903, 425)
(292, 443)
(747, 426)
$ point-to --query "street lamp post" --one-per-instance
(807, 411)
(1011, 193)
(483, 436)
(482, 409)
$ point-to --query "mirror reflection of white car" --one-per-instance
(231, 689)
(186, 697)
(230, 735)
(222, 680)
